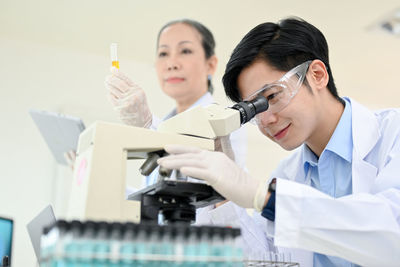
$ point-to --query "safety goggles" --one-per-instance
(282, 91)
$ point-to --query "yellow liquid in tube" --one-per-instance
(115, 64)
(114, 57)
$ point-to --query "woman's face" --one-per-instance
(181, 65)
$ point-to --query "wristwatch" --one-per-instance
(272, 185)
(269, 209)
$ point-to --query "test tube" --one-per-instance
(102, 246)
(88, 245)
(52, 244)
(114, 57)
(115, 237)
(73, 245)
(191, 246)
(142, 245)
(204, 245)
(127, 248)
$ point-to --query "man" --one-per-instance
(338, 194)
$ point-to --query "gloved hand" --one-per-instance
(128, 99)
(219, 171)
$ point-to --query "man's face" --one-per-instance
(294, 124)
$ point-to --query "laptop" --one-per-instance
(61, 132)
(35, 227)
(6, 238)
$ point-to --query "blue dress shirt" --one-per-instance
(331, 172)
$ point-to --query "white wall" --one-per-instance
(54, 56)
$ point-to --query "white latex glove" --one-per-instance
(128, 99)
(219, 171)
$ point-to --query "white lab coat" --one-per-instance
(362, 227)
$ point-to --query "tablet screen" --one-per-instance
(6, 235)
(61, 132)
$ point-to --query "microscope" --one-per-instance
(98, 186)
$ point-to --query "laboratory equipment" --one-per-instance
(35, 227)
(98, 187)
(99, 243)
(104, 235)
(60, 131)
(176, 200)
(114, 55)
(6, 238)
(5, 261)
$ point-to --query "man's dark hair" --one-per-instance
(207, 39)
(282, 45)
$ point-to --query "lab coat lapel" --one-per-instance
(365, 136)
(297, 173)
(364, 175)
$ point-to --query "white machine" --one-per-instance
(98, 189)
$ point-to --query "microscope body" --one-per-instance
(98, 186)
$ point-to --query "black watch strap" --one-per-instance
(272, 185)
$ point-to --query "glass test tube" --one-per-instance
(128, 246)
(102, 247)
(73, 245)
(114, 57)
(88, 243)
(116, 234)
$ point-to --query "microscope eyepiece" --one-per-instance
(248, 109)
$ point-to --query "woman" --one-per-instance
(185, 63)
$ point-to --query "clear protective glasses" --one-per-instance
(282, 91)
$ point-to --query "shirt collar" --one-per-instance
(341, 142)
(309, 158)
(205, 99)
